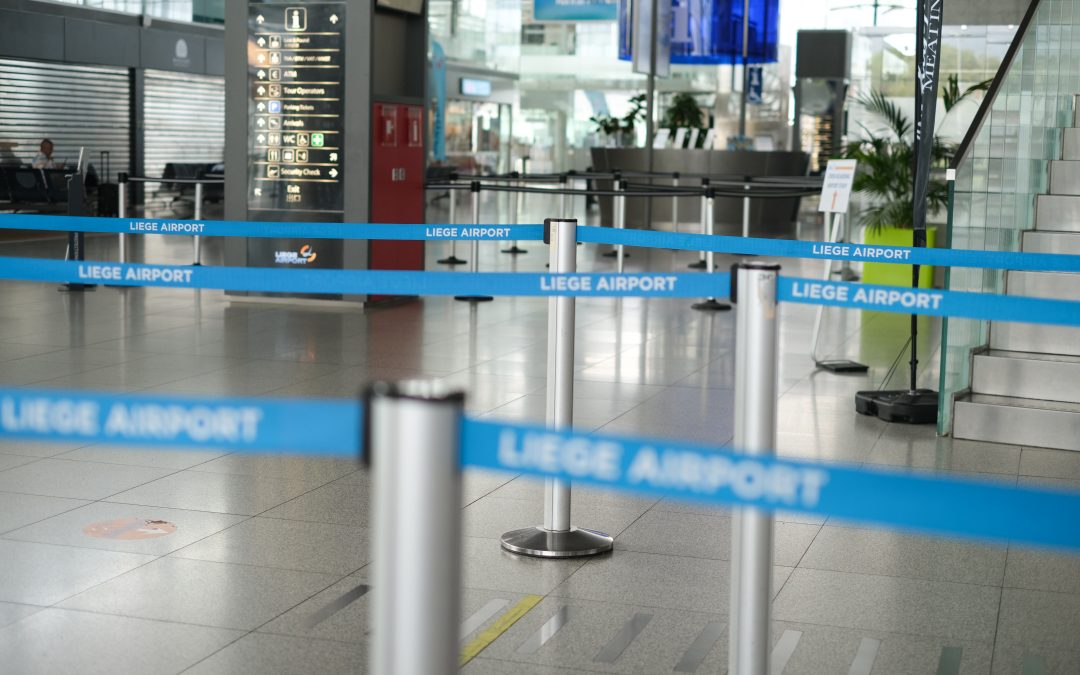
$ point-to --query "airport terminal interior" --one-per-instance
(947, 538)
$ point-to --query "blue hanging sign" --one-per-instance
(575, 10)
(705, 33)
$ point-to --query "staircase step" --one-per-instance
(1065, 177)
(1057, 213)
(1060, 285)
(1035, 338)
(1052, 377)
(1017, 421)
(1070, 144)
(1051, 242)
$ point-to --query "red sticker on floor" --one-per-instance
(129, 529)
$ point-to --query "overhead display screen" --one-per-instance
(296, 76)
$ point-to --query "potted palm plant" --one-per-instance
(622, 130)
(886, 162)
(684, 112)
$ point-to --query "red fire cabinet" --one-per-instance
(397, 182)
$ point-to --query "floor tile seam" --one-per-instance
(545, 664)
(97, 612)
(4, 534)
(286, 611)
(331, 573)
(1053, 591)
(997, 629)
(153, 559)
(897, 576)
(110, 500)
(898, 633)
(511, 479)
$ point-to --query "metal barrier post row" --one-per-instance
(121, 211)
(706, 225)
(474, 264)
(753, 290)
(452, 259)
(618, 208)
(746, 209)
(197, 252)
(514, 207)
(557, 538)
(708, 206)
(414, 450)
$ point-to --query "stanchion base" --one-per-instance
(712, 305)
(842, 366)
(474, 298)
(849, 275)
(612, 254)
(918, 406)
(514, 250)
(452, 260)
(541, 543)
(699, 265)
(76, 288)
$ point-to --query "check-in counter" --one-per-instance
(768, 217)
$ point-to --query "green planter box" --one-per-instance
(886, 274)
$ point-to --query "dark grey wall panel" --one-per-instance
(184, 119)
(31, 36)
(75, 106)
(168, 50)
(215, 56)
(100, 43)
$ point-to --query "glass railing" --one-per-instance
(1002, 165)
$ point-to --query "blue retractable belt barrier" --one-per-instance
(787, 248)
(296, 426)
(221, 228)
(929, 302)
(386, 282)
(919, 502)
(914, 501)
(374, 282)
(777, 248)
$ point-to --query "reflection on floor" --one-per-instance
(266, 571)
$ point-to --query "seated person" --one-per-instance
(44, 159)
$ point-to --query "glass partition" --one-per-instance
(1002, 166)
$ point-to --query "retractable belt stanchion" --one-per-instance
(675, 202)
(832, 235)
(618, 212)
(121, 211)
(846, 272)
(514, 207)
(563, 197)
(452, 259)
(197, 253)
(710, 266)
(705, 225)
(754, 292)
(413, 446)
(746, 209)
(557, 538)
(474, 264)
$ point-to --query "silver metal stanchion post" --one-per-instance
(557, 538)
(121, 211)
(746, 210)
(474, 264)
(846, 271)
(452, 259)
(197, 253)
(618, 209)
(514, 207)
(705, 226)
(413, 446)
(675, 202)
(563, 197)
(756, 367)
(710, 303)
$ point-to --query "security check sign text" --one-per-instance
(656, 467)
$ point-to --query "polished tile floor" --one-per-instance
(266, 571)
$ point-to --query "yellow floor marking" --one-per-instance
(501, 625)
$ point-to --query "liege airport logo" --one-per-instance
(305, 255)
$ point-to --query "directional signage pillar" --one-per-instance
(296, 75)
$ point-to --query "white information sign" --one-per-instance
(836, 190)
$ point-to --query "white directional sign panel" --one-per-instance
(836, 189)
(296, 74)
